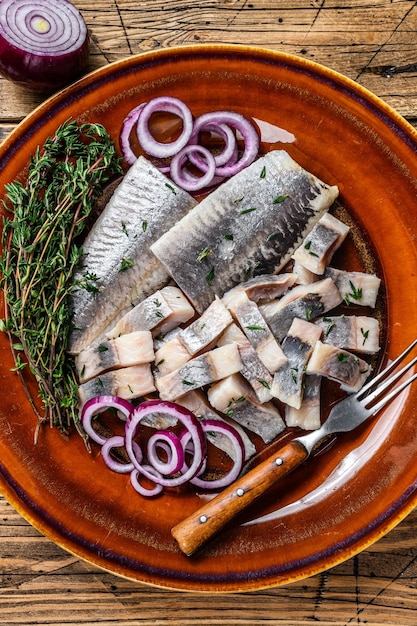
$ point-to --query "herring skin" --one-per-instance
(142, 208)
(248, 226)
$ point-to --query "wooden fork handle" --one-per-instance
(199, 527)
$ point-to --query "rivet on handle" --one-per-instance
(279, 461)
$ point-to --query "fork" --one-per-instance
(345, 416)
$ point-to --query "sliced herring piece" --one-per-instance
(339, 365)
(117, 256)
(202, 370)
(298, 345)
(250, 225)
(355, 287)
(161, 339)
(253, 370)
(198, 404)
(306, 302)
(247, 314)
(318, 248)
(161, 312)
(198, 336)
(128, 383)
(359, 333)
(204, 331)
(132, 349)
(308, 416)
(171, 356)
(234, 397)
(304, 276)
(264, 288)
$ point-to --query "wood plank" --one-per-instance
(39, 579)
(372, 42)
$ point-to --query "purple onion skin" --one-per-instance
(39, 72)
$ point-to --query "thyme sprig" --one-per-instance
(45, 216)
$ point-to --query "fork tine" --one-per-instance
(388, 382)
(390, 367)
(379, 405)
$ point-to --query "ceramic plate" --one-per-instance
(364, 483)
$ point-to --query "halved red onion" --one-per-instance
(185, 179)
(43, 45)
(187, 419)
(99, 404)
(244, 127)
(165, 104)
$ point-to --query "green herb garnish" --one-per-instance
(125, 264)
(47, 213)
(204, 254)
(279, 199)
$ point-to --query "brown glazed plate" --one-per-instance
(364, 483)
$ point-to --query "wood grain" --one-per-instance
(372, 42)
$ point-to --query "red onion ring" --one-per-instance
(185, 179)
(137, 486)
(229, 153)
(128, 123)
(219, 426)
(169, 105)
(116, 466)
(168, 442)
(245, 128)
(186, 418)
(97, 405)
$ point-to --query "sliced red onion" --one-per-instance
(43, 45)
(99, 404)
(116, 466)
(165, 104)
(169, 443)
(144, 491)
(229, 153)
(187, 419)
(128, 123)
(185, 179)
(213, 425)
(245, 128)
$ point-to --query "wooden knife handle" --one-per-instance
(199, 527)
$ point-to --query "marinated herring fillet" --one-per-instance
(359, 333)
(132, 349)
(200, 371)
(247, 314)
(253, 370)
(317, 249)
(197, 403)
(118, 269)
(128, 383)
(308, 416)
(306, 302)
(159, 313)
(298, 344)
(234, 397)
(250, 225)
(198, 336)
(339, 365)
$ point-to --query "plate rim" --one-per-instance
(408, 132)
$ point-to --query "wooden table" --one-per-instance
(372, 42)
